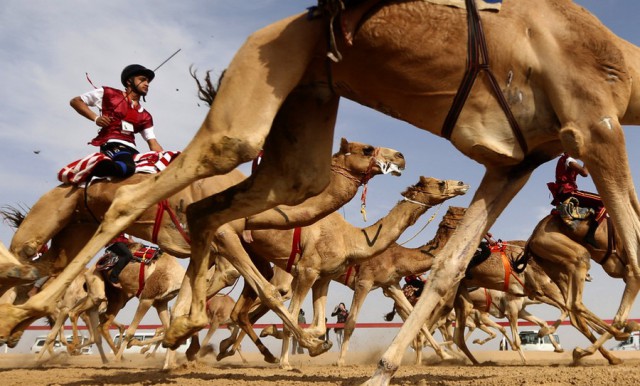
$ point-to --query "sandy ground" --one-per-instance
(499, 368)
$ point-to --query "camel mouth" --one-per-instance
(390, 168)
(463, 189)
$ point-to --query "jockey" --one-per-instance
(121, 116)
(565, 186)
(120, 247)
(417, 282)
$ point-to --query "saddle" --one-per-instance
(144, 255)
(571, 213)
(106, 261)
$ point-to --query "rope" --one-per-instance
(433, 216)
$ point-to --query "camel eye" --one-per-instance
(368, 151)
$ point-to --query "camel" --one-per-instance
(280, 93)
(219, 311)
(331, 245)
(387, 269)
(565, 257)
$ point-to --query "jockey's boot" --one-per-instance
(114, 275)
(124, 257)
(590, 237)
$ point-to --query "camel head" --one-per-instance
(453, 217)
(364, 161)
(432, 191)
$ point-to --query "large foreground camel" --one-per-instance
(562, 77)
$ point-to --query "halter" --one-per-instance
(363, 181)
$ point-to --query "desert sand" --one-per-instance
(498, 368)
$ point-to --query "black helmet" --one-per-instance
(135, 70)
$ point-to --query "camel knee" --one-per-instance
(572, 141)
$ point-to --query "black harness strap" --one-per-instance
(477, 61)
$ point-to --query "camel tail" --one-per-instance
(520, 263)
(13, 216)
(389, 316)
(206, 91)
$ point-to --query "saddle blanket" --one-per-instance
(150, 162)
(483, 5)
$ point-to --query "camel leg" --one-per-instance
(495, 192)
(512, 309)
(15, 318)
(360, 293)
(95, 337)
(545, 330)
(60, 318)
(404, 309)
(240, 315)
(141, 311)
(490, 334)
(602, 149)
(302, 283)
(205, 347)
(225, 275)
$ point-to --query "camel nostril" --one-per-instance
(400, 155)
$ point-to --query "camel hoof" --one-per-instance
(179, 331)
(269, 358)
(223, 354)
(578, 354)
(631, 326)
(321, 348)
(225, 344)
(614, 360)
(559, 350)
(286, 366)
(206, 350)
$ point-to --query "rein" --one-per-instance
(433, 216)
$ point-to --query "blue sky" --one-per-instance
(47, 47)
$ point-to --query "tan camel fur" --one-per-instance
(565, 257)
(72, 223)
(387, 269)
(219, 309)
(331, 245)
(566, 78)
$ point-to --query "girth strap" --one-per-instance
(162, 207)
(478, 60)
(141, 281)
(507, 270)
(351, 271)
(296, 249)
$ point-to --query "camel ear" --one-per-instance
(344, 145)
